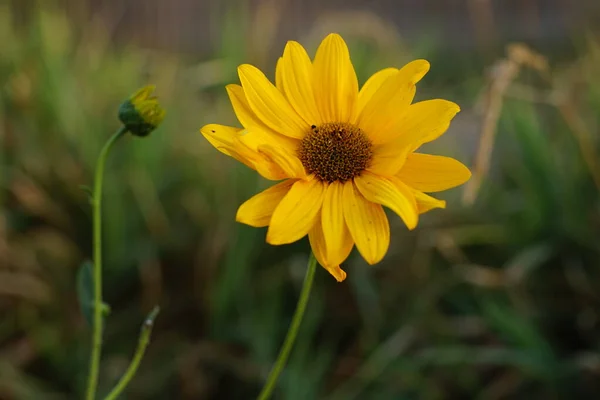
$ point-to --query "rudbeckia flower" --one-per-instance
(341, 154)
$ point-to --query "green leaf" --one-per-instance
(85, 292)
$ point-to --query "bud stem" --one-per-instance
(94, 369)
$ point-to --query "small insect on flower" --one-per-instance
(141, 113)
(341, 153)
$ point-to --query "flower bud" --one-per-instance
(141, 113)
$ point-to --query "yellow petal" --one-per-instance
(367, 223)
(423, 122)
(335, 83)
(371, 86)
(388, 159)
(270, 171)
(261, 133)
(264, 165)
(243, 146)
(220, 136)
(258, 209)
(297, 81)
(415, 70)
(269, 104)
(241, 107)
(274, 162)
(429, 173)
(225, 139)
(426, 202)
(337, 237)
(382, 113)
(254, 138)
(317, 244)
(290, 164)
(297, 212)
(258, 134)
(389, 192)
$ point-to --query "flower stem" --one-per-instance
(143, 342)
(290, 338)
(92, 384)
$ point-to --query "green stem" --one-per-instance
(143, 342)
(92, 384)
(290, 338)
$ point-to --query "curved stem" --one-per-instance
(143, 342)
(290, 338)
(97, 222)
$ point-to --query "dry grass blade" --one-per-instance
(503, 73)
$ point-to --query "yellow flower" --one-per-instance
(341, 153)
(142, 113)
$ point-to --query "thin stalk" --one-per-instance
(94, 369)
(143, 342)
(290, 338)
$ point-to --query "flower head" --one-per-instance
(141, 113)
(341, 154)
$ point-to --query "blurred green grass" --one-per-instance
(498, 299)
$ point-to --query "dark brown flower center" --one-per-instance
(335, 151)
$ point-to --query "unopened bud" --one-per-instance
(141, 113)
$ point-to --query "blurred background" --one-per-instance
(495, 297)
